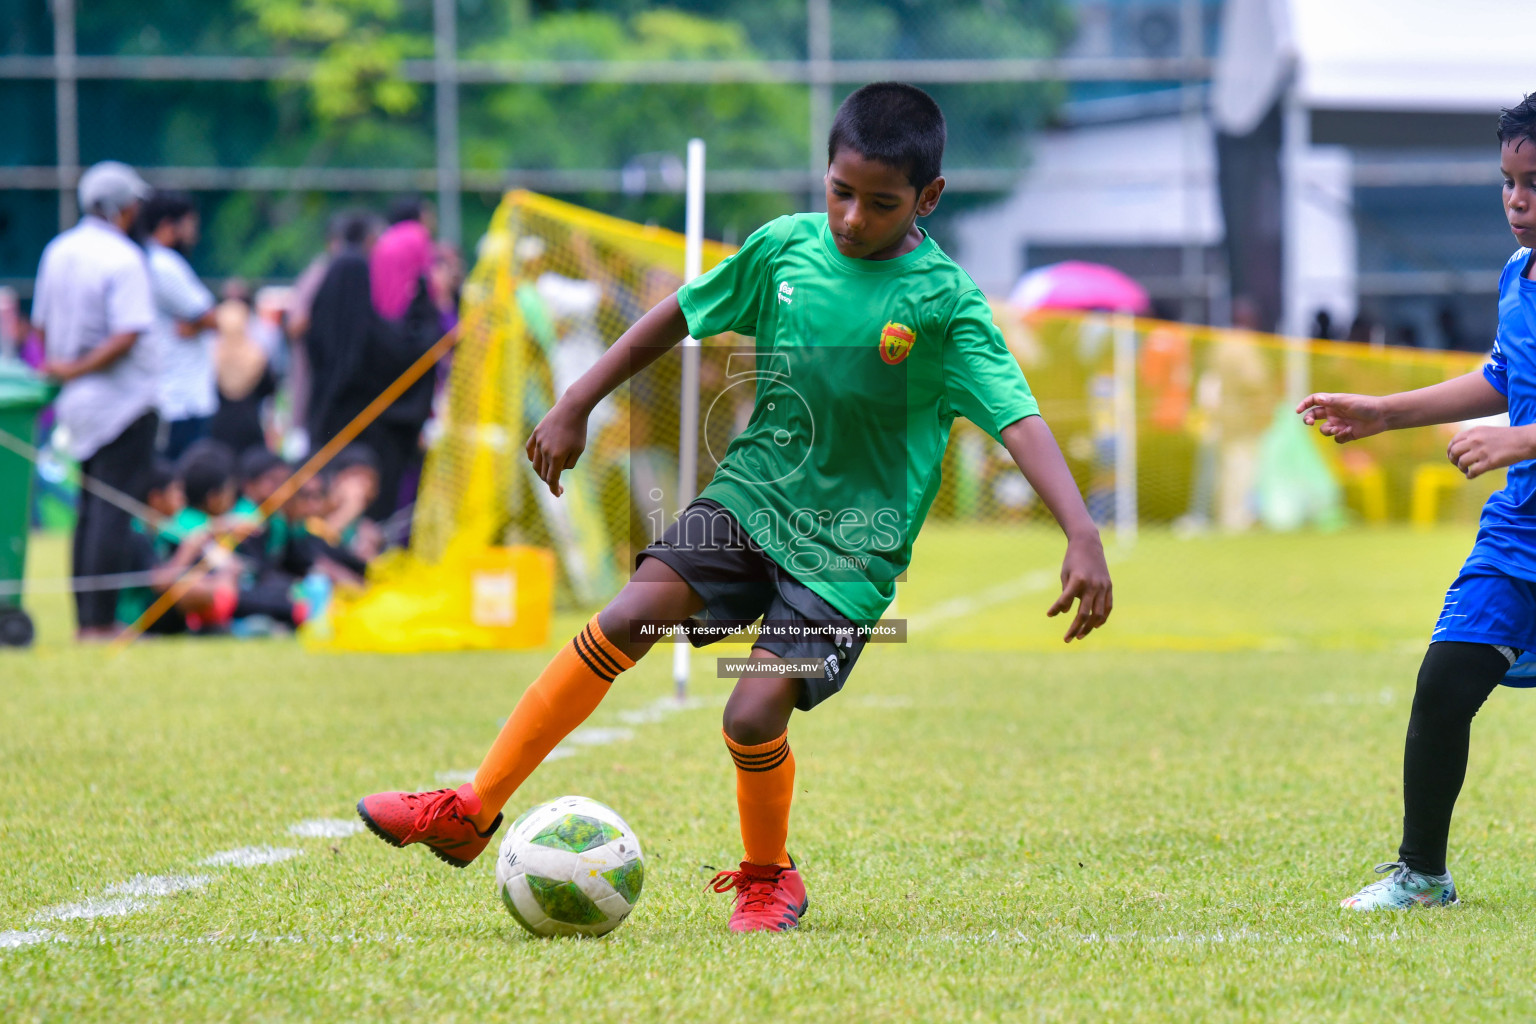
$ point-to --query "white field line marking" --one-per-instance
(250, 856)
(157, 885)
(1212, 938)
(15, 940)
(18, 940)
(662, 707)
(959, 607)
(123, 898)
(95, 906)
(141, 892)
(569, 746)
(325, 828)
(599, 737)
(968, 604)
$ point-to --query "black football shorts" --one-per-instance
(740, 584)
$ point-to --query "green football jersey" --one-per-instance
(859, 368)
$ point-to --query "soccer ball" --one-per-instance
(570, 867)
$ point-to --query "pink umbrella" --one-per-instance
(1078, 285)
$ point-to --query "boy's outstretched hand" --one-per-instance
(556, 443)
(1084, 578)
(1344, 417)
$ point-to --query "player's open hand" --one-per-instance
(1085, 579)
(1344, 417)
(556, 443)
(1476, 450)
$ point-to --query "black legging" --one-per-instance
(101, 529)
(1454, 680)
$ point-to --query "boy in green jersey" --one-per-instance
(869, 342)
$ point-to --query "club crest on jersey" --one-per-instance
(896, 342)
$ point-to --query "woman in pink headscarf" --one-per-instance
(402, 258)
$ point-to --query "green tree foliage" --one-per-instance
(609, 125)
(356, 110)
(358, 48)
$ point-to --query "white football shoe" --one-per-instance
(1403, 888)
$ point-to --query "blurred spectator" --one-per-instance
(402, 259)
(93, 303)
(243, 352)
(164, 556)
(208, 478)
(354, 487)
(355, 230)
(184, 311)
(1450, 331)
(1322, 325)
(354, 355)
(1361, 329)
(261, 472)
(12, 327)
(207, 473)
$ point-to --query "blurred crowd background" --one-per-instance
(306, 181)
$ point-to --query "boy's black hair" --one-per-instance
(403, 208)
(161, 475)
(161, 207)
(353, 456)
(894, 123)
(205, 469)
(258, 460)
(1518, 121)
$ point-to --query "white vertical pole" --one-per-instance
(688, 412)
(1192, 267)
(1125, 429)
(445, 67)
(66, 110)
(818, 57)
(1296, 138)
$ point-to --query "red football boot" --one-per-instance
(768, 898)
(439, 818)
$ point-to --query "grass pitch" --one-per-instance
(1155, 824)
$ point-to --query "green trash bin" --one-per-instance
(22, 396)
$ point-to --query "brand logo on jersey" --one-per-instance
(786, 290)
(896, 342)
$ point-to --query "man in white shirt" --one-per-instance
(184, 312)
(92, 304)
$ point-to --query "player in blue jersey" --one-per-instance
(1489, 617)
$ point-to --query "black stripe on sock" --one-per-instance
(604, 676)
(779, 757)
(758, 758)
(602, 655)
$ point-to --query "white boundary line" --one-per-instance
(142, 892)
(959, 607)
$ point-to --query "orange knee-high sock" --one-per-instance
(566, 692)
(765, 785)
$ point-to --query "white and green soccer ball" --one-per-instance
(570, 867)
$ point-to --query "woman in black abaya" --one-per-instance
(354, 355)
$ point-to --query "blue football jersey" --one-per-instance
(1506, 536)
